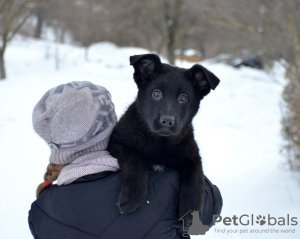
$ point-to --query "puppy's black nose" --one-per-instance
(167, 120)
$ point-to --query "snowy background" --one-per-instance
(237, 129)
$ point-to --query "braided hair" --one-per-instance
(52, 173)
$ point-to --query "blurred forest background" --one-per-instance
(263, 30)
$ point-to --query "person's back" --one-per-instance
(87, 208)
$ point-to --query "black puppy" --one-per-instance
(157, 130)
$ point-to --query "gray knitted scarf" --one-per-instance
(86, 164)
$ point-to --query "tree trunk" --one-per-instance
(86, 53)
(171, 20)
(39, 26)
(171, 56)
(2, 66)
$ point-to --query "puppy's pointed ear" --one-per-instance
(145, 67)
(204, 79)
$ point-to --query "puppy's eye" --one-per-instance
(157, 94)
(182, 98)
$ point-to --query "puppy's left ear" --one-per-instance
(204, 79)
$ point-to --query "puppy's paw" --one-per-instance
(131, 199)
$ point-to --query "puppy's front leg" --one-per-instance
(134, 186)
(191, 188)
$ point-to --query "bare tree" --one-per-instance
(291, 93)
(88, 25)
(165, 22)
(40, 15)
(13, 15)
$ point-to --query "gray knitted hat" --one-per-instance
(74, 119)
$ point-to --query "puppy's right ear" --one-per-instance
(145, 67)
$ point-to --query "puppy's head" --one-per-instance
(168, 96)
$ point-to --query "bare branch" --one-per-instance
(3, 6)
(29, 14)
(155, 24)
(14, 14)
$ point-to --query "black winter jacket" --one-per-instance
(86, 209)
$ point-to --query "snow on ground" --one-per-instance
(237, 128)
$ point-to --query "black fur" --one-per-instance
(157, 130)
